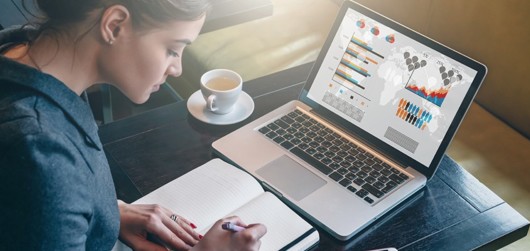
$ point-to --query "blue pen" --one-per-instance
(232, 227)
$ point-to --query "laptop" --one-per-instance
(371, 125)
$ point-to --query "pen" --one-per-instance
(232, 227)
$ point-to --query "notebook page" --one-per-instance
(206, 193)
(283, 224)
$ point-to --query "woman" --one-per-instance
(56, 189)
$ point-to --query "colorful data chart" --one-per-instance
(413, 114)
(449, 77)
(391, 38)
(435, 96)
(351, 71)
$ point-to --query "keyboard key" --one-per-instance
(383, 179)
(329, 137)
(264, 130)
(359, 181)
(299, 135)
(369, 180)
(281, 123)
(334, 166)
(334, 149)
(303, 146)
(296, 141)
(291, 130)
(319, 139)
(322, 133)
(379, 185)
(271, 135)
(287, 120)
(313, 144)
(369, 162)
(345, 164)
(337, 142)
(354, 169)
(350, 176)
(273, 126)
(361, 157)
(303, 130)
(403, 176)
(377, 167)
(378, 160)
(296, 125)
(326, 161)
(375, 174)
(342, 154)
(287, 145)
(361, 193)
(345, 182)
(281, 131)
(322, 149)
(326, 143)
(342, 171)
(374, 191)
(292, 115)
(337, 159)
(386, 172)
(368, 199)
(310, 151)
(329, 154)
(396, 178)
(369, 155)
(318, 156)
(288, 136)
(335, 176)
(358, 163)
(279, 139)
(367, 169)
(306, 139)
(298, 112)
(310, 160)
(299, 119)
(352, 189)
(362, 174)
(345, 147)
(353, 152)
(350, 158)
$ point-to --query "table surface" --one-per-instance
(453, 212)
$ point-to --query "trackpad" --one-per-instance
(290, 177)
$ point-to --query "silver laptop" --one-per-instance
(371, 125)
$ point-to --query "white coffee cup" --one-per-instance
(221, 89)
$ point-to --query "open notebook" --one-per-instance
(218, 189)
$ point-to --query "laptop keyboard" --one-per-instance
(359, 171)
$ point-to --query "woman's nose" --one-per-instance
(174, 71)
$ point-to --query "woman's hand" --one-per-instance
(152, 227)
(219, 239)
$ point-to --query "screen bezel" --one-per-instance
(371, 140)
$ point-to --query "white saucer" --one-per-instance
(242, 110)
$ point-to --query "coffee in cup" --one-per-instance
(221, 89)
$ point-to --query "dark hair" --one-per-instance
(54, 14)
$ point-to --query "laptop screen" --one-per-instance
(393, 87)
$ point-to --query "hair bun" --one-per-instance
(64, 10)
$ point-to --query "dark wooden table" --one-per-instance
(454, 212)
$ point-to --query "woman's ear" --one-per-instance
(115, 21)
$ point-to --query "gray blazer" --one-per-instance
(56, 189)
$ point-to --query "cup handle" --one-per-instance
(209, 103)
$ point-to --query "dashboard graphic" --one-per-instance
(391, 86)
